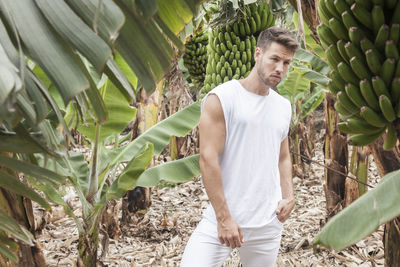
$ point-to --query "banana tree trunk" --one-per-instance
(87, 246)
(336, 157)
(21, 210)
(147, 116)
(388, 161)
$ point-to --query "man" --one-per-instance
(245, 162)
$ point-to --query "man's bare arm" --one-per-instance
(286, 205)
(212, 141)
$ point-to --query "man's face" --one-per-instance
(272, 63)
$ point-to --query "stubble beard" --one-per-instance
(266, 80)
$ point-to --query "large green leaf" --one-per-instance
(159, 135)
(70, 26)
(13, 184)
(127, 179)
(313, 76)
(364, 215)
(311, 43)
(175, 14)
(316, 62)
(311, 102)
(45, 47)
(104, 16)
(120, 114)
(31, 170)
(142, 41)
(144, 48)
(9, 225)
(12, 142)
(9, 80)
(176, 171)
(293, 84)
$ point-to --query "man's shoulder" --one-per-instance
(281, 98)
(225, 87)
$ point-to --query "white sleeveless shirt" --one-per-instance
(255, 127)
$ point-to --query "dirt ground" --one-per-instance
(158, 237)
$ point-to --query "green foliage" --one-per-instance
(372, 209)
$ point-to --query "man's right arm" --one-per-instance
(212, 140)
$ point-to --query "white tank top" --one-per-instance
(255, 127)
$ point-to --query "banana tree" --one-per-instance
(90, 179)
(371, 210)
(57, 35)
(303, 87)
(362, 49)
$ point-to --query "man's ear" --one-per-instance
(257, 53)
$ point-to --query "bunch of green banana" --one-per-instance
(195, 57)
(362, 46)
(231, 47)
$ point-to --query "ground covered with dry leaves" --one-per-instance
(158, 237)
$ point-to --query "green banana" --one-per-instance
(338, 29)
(331, 8)
(396, 14)
(388, 69)
(372, 117)
(247, 28)
(359, 126)
(333, 56)
(349, 20)
(378, 18)
(326, 34)
(364, 139)
(347, 73)
(332, 88)
(390, 139)
(356, 35)
(257, 19)
(342, 110)
(373, 61)
(387, 108)
(341, 6)
(344, 128)
(337, 80)
(366, 4)
(359, 68)
(394, 33)
(347, 103)
(353, 51)
(342, 51)
(369, 95)
(379, 86)
(362, 14)
(253, 25)
(354, 95)
(366, 45)
(323, 13)
(395, 90)
(236, 28)
(391, 50)
(381, 37)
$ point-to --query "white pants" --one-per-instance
(259, 249)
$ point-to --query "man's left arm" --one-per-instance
(286, 205)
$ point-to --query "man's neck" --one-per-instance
(254, 84)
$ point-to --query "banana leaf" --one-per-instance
(177, 171)
(127, 179)
(363, 216)
(179, 124)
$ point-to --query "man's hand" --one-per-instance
(230, 233)
(285, 206)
